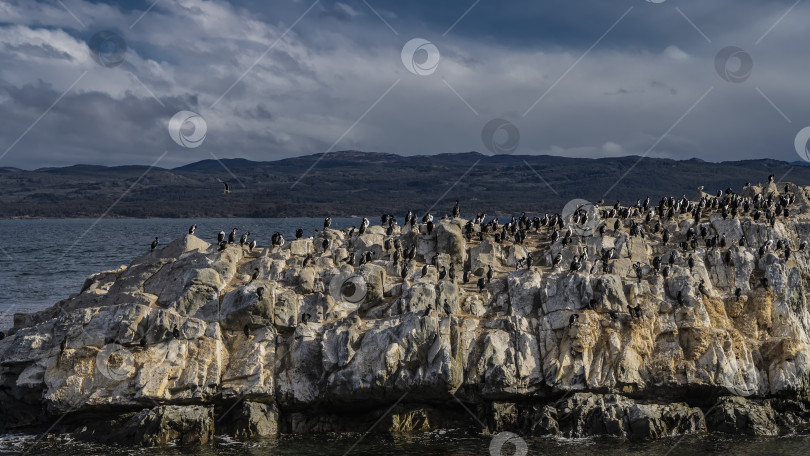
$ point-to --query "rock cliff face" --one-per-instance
(185, 343)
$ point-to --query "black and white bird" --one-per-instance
(155, 243)
(572, 319)
(220, 237)
(327, 222)
(232, 236)
(192, 229)
(490, 273)
(738, 293)
(243, 239)
(227, 188)
(481, 284)
(442, 273)
(252, 245)
(299, 233)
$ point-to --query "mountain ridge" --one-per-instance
(345, 183)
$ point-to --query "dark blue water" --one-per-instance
(44, 261)
(431, 444)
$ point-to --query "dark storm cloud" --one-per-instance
(273, 82)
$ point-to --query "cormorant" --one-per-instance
(246, 329)
(738, 293)
(456, 210)
(260, 293)
(299, 233)
(220, 237)
(305, 318)
(252, 245)
(442, 273)
(429, 226)
(680, 298)
(325, 245)
(227, 188)
(232, 236)
(243, 239)
(142, 343)
(465, 277)
(556, 260)
(572, 319)
(489, 273)
(702, 289)
(452, 272)
(176, 332)
(255, 275)
(481, 284)
(192, 229)
(424, 270)
(690, 262)
(327, 222)
(155, 243)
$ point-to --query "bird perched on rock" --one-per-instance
(299, 233)
(465, 277)
(305, 318)
(142, 343)
(327, 222)
(702, 288)
(220, 237)
(572, 319)
(404, 272)
(452, 272)
(481, 284)
(255, 275)
(528, 260)
(738, 293)
(456, 211)
(246, 330)
(252, 245)
(260, 293)
(690, 262)
(243, 239)
(325, 245)
(442, 273)
(155, 243)
(556, 260)
(424, 270)
(429, 226)
(232, 236)
(192, 229)
(489, 273)
(176, 332)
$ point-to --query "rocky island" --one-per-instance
(644, 321)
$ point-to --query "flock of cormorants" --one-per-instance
(643, 220)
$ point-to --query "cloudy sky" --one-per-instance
(281, 78)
